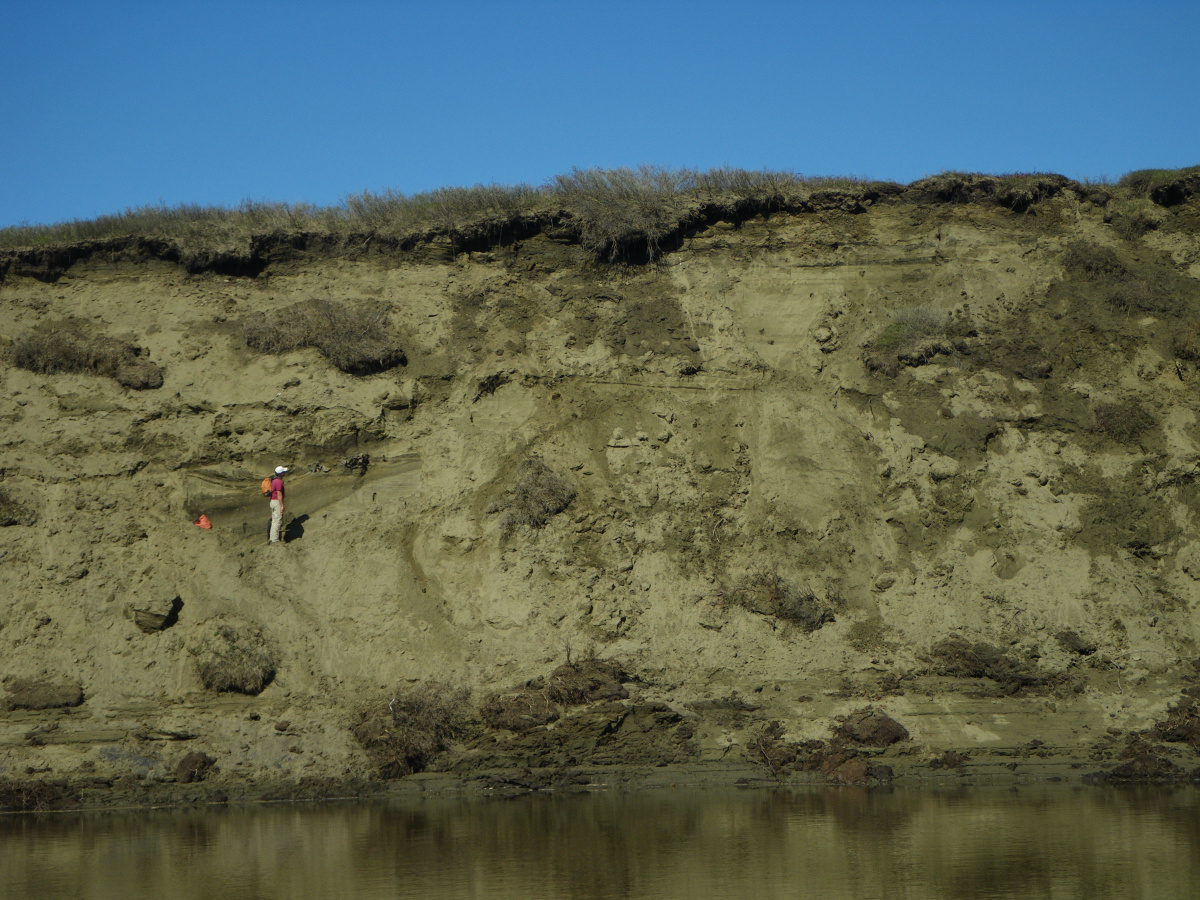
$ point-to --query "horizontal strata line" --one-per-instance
(666, 386)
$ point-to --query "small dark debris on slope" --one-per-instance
(587, 681)
(1182, 724)
(193, 767)
(1141, 761)
(527, 708)
(157, 616)
(1018, 192)
(13, 512)
(1073, 642)
(603, 733)
(488, 385)
(28, 693)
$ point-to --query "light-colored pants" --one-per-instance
(276, 519)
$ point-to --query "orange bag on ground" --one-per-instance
(203, 521)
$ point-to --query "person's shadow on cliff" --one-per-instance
(295, 529)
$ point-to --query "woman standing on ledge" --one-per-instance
(277, 504)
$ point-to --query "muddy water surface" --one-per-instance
(1045, 842)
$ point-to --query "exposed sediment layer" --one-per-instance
(933, 458)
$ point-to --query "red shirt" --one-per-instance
(276, 488)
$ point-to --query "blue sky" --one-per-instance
(106, 106)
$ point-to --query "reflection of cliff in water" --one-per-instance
(977, 843)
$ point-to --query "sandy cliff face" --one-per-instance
(964, 461)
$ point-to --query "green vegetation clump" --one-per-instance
(1017, 191)
(538, 495)
(1125, 422)
(766, 592)
(1186, 341)
(404, 734)
(1092, 261)
(1127, 516)
(1125, 287)
(910, 327)
(868, 635)
(235, 659)
(915, 336)
(66, 349)
(357, 339)
(1133, 219)
(1166, 187)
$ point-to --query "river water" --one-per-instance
(1051, 841)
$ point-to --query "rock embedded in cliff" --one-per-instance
(157, 616)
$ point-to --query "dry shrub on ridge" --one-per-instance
(957, 657)
(402, 736)
(528, 708)
(357, 339)
(623, 213)
(537, 496)
(587, 681)
(1122, 422)
(236, 658)
(766, 592)
(35, 795)
(65, 349)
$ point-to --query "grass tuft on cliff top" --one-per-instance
(620, 214)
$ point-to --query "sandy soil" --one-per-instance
(717, 419)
